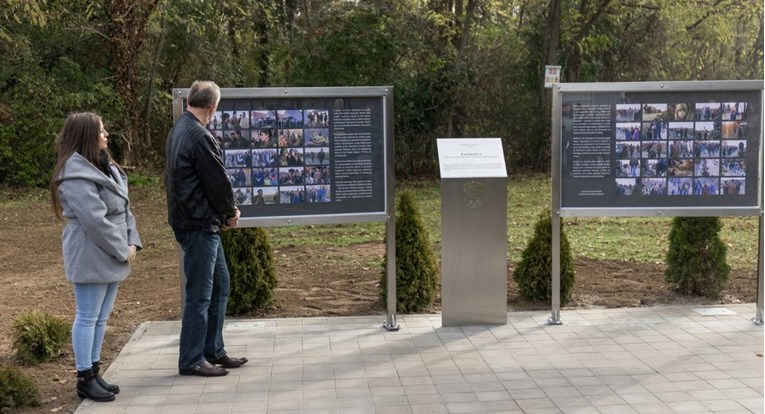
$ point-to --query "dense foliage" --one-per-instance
(16, 390)
(459, 68)
(534, 272)
(39, 336)
(696, 259)
(251, 265)
(416, 266)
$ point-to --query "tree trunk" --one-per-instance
(757, 52)
(152, 79)
(456, 123)
(128, 32)
(262, 26)
(551, 41)
(550, 49)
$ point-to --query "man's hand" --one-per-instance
(232, 222)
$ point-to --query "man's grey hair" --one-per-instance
(204, 94)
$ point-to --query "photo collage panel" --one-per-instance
(681, 148)
(276, 156)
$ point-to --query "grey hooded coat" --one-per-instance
(100, 227)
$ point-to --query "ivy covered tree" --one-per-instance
(696, 259)
(534, 272)
(416, 267)
(251, 265)
(128, 20)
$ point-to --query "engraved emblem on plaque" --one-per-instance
(475, 193)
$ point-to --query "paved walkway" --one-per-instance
(646, 360)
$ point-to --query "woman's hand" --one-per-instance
(132, 255)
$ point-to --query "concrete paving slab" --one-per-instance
(637, 360)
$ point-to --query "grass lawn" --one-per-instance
(642, 239)
(630, 238)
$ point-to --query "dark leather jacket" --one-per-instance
(199, 193)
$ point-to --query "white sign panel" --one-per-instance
(552, 75)
(471, 157)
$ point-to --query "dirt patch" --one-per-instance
(345, 283)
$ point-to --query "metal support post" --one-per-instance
(390, 270)
(554, 319)
(390, 224)
(758, 316)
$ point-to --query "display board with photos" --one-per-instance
(661, 149)
(302, 156)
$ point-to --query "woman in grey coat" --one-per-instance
(99, 241)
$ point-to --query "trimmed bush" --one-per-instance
(416, 269)
(39, 336)
(251, 265)
(534, 272)
(16, 390)
(696, 259)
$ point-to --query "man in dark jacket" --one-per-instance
(200, 203)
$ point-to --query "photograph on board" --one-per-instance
(292, 195)
(655, 130)
(291, 176)
(627, 112)
(680, 167)
(316, 118)
(318, 193)
(243, 196)
(706, 149)
(679, 186)
(707, 111)
(628, 131)
(289, 118)
(262, 118)
(265, 158)
(240, 177)
(237, 158)
(654, 186)
(653, 168)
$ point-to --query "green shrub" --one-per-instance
(16, 390)
(696, 259)
(416, 269)
(142, 180)
(534, 272)
(39, 336)
(251, 265)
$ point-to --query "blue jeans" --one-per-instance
(207, 287)
(93, 305)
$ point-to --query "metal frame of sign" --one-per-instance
(754, 206)
(387, 214)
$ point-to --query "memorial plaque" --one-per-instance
(305, 155)
(471, 157)
(681, 146)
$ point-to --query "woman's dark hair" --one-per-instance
(203, 94)
(80, 134)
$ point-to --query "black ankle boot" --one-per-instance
(113, 388)
(88, 387)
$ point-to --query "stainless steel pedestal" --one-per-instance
(474, 251)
